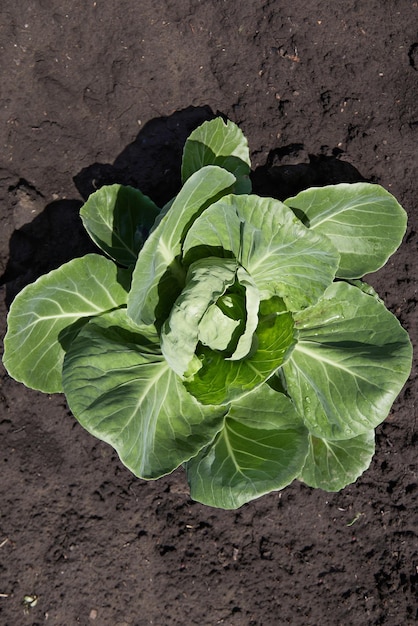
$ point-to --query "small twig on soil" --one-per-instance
(357, 517)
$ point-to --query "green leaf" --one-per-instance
(217, 329)
(364, 221)
(206, 281)
(351, 361)
(220, 381)
(332, 465)
(282, 256)
(120, 388)
(118, 219)
(218, 143)
(245, 342)
(368, 289)
(200, 313)
(46, 315)
(262, 447)
(158, 276)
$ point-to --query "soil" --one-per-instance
(94, 92)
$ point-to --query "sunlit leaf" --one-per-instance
(220, 380)
(206, 281)
(282, 256)
(47, 314)
(364, 221)
(158, 275)
(121, 389)
(262, 447)
(351, 360)
(332, 465)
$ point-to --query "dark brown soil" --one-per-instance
(94, 92)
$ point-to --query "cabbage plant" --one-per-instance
(225, 332)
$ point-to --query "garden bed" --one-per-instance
(95, 93)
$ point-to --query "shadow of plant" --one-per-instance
(151, 163)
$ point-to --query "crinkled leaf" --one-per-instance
(332, 465)
(364, 221)
(282, 256)
(119, 219)
(262, 447)
(206, 281)
(245, 342)
(218, 143)
(351, 361)
(217, 329)
(158, 277)
(201, 313)
(46, 315)
(220, 380)
(121, 389)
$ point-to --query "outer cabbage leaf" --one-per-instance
(262, 447)
(119, 219)
(46, 315)
(364, 221)
(220, 380)
(158, 277)
(282, 256)
(121, 390)
(351, 361)
(332, 465)
(218, 143)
